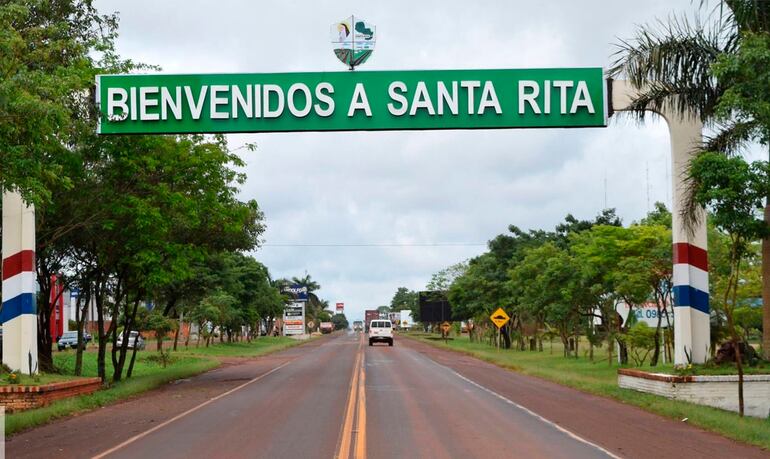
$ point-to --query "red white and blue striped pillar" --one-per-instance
(19, 312)
(692, 325)
(692, 332)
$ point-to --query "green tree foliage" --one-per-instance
(340, 322)
(568, 282)
(746, 103)
(640, 339)
(46, 70)
(405, 299)
(733, 191)
(160, 325)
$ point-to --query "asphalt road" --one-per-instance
(339, 398)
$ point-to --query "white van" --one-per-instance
(381, 330)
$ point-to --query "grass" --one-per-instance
(600, 378)
(255, 348)
(37, 380)
(148, 374)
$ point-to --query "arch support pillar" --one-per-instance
(19, 313)
(692, 328)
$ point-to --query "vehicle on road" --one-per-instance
(134, 340)
(381, 331)
(369, 316)
(326, 327)
(358, 325)
(70, 339)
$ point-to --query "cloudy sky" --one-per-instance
(433, 187)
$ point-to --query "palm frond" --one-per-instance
(749, 15)
(692, 213)
(681, 99)
(731, 137)
(673, 60)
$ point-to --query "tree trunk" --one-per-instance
(131, 364)
(121, 353)
(565, 343)
(506, 337)
(44, 339)
(102, 353)
(656, 352)
(176, 333)
(623, 352)
(80, 321)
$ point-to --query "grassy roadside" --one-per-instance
(255, 348)
(600, 378)
(148, 374)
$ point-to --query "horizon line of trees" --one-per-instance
(568, 283)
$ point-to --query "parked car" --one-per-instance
(70, 339)
(134, 339)
(381, 331)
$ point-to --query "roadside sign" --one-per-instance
(351, 101)
(294, 319)
(445, 327)
(499, 318)
(311, 324)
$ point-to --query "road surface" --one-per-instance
(336, 397)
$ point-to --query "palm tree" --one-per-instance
(670, 65)
(314, 304)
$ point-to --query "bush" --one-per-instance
(640, 340)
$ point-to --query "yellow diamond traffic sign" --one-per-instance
(499, 317)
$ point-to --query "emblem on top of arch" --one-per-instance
(353, 39)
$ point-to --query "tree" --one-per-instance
(404, 299)
(746, 100)
(442, 279)
(164, 204)
(340, 322)
(161, 326)
(48, 50)
(540, 283)
(641, 339)
(645, 273)
(733, 190)
(674, 66)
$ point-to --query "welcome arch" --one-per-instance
(382, 100)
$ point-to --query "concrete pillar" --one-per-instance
(19, 312)
(692, 332)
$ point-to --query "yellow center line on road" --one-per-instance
(360, 452)
(346, 436)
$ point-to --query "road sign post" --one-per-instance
(499, 318)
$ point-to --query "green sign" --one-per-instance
(347, 101)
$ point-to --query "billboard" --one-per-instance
(294, 319)
(295, 292)
(434, 306)
(340, 308)
(406, 318)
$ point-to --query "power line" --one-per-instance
(382, 244)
